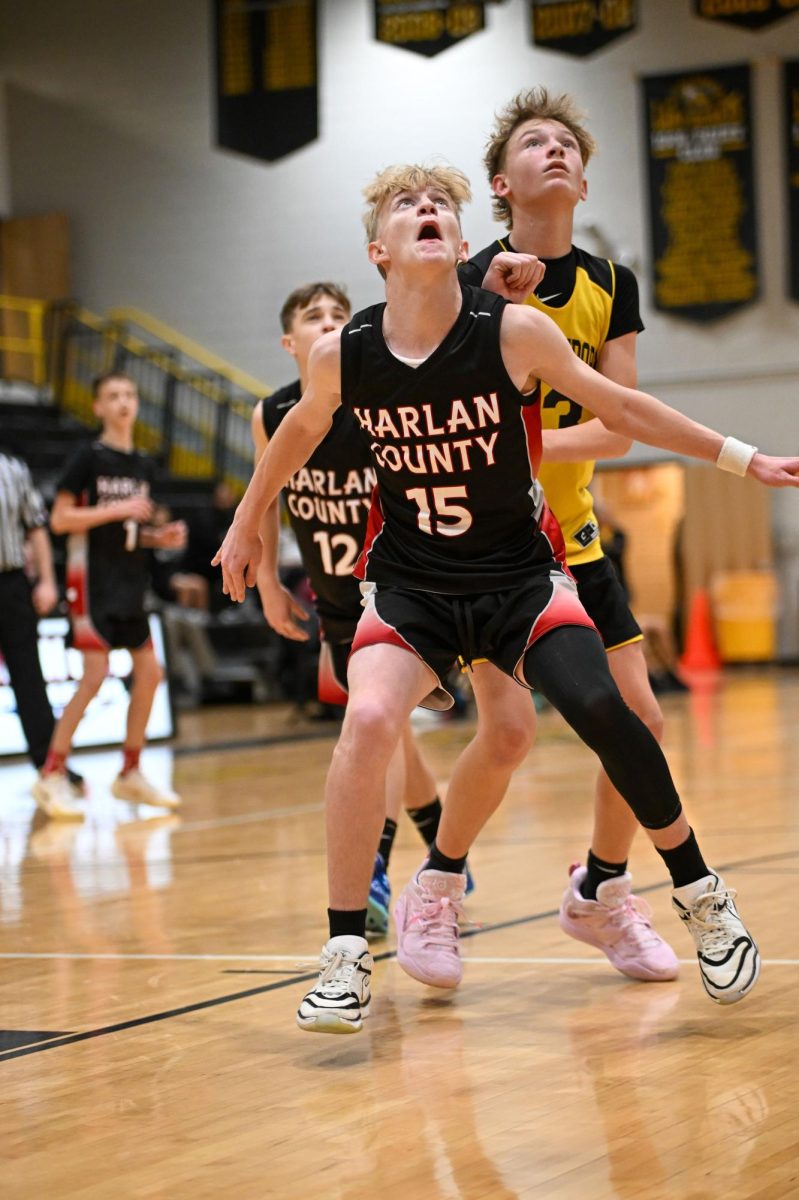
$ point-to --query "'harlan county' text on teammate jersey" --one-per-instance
(328, 504)
(107, 561)
(456, 447)
(592, 301)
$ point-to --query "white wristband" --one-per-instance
(735, 456)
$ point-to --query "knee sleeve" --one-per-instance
(569, 667)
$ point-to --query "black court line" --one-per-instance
(279, 985)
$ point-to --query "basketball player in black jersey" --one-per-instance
(462, 562)
(535, 161)
(328, 503)
(103, 502)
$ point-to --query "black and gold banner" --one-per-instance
(266, 76)
(426, 26)
(701, 191)
(792, 172)
(581, 26)
(751, 14)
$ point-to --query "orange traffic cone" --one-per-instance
(700, 653)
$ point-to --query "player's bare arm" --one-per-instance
(291, 447)
(281, 610)
(70, 517)
(515, 276)
(592, 440)
(533, 345)
(583, 443)
(172, 536)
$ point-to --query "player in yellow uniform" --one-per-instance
(535, 161)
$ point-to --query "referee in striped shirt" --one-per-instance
(23, 518)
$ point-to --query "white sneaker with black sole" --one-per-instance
(341, 997)
(729, 962)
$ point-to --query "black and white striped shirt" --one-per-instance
(21, 509)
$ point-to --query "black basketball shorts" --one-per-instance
(100, 630)
(603, 598)
(495, 626)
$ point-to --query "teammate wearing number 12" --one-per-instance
(328, 502)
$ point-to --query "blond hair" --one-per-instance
(534, 105)
(412, 177)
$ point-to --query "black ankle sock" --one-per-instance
(427, 820)
(387, 840)
(598, 871)
(685, 863)
(437, 861)
(346, 922)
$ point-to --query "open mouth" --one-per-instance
(429, 233)
(557, 166)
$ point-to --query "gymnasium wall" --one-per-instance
(5, 167)
(109, 119)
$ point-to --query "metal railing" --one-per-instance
(23, 340)
(195, 409)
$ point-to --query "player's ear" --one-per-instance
(463, 251)
(500, 186)
(584, 189)
(289, 344)
(378, 255)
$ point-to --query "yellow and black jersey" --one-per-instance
(592, 301)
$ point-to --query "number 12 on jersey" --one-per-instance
(343, 542)
(437, 513)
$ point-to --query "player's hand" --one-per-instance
(45, 597)
(283, 611)
(238, 556)
(171, 537)
(775, 472)
(135, 508)
(514, 276)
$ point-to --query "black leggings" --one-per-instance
(569, 667)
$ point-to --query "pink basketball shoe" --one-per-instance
(427, 914)
(619, 925)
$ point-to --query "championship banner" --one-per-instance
(426, 26)
(580, 27)
(266, 76)
(751, 14)
(701, 192)
(792, 172)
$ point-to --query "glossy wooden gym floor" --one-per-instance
(149, 976)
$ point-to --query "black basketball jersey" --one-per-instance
(328, 505)
(456, 447)
(108, 560)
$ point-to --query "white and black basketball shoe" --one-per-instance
(341, 997)
(729, 962)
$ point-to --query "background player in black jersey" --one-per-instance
(328, 503)
(535, 161)
(103, 503)
(444, 377)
